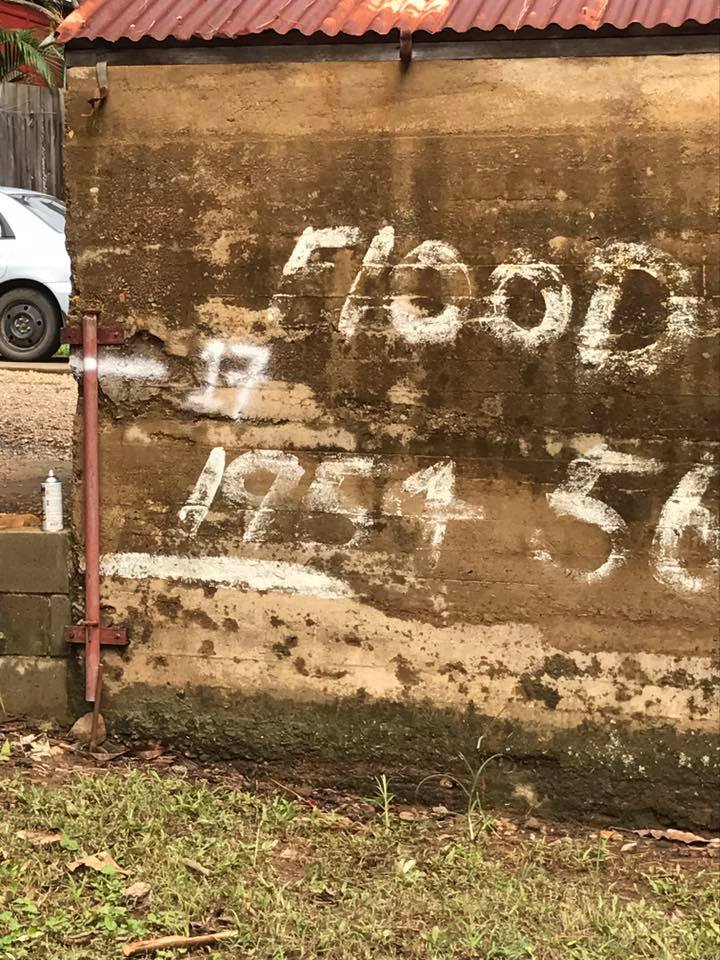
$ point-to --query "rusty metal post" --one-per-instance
(89, 633)
(92, 504)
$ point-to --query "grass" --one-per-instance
(297, 881)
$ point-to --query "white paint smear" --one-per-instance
(437, 482)
(416, 326)
(375, 260)
(311, 240)
(406, 313)
(287, 473)
(613, 262)
(110, 366)
(325, 494)
(261, 575)
(554, 291)
(684, 512)
(231, 364)
(572, 499)
(198, 504)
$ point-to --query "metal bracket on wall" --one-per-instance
(107, 335)
(109, 636)
(101, 75)
(406, 47)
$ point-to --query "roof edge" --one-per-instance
(87, 22)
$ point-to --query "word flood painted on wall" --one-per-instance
(686, 314)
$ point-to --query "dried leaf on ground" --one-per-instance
(37, 746)
(629, 847)
(676, 836)
(288, 853)
(70, 939)
(40, 838)
(152, 752)
(137, 891)
(611, 835)
(101, 862)
(196, 867)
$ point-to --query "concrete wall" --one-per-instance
(414, 438)
(34, 611)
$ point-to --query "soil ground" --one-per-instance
(98, 852)
(36, 428)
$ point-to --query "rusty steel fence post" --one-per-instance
(91, 506)
(90, 633)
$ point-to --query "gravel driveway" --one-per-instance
(36, 427)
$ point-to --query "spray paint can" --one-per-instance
(52, 502)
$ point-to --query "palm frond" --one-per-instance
(21, 48)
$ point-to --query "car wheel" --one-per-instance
(29, 325)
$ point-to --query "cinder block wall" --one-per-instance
(34, 612)
(414, 437)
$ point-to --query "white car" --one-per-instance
(34, 274)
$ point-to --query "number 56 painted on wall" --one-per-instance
(683, 513)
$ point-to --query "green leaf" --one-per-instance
(67, 843)
(20, 50)
(5, 751)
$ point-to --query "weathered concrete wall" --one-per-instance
(34, 611)
(417, 426)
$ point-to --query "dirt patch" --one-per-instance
(36, 428)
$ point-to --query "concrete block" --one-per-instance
(35, 687)
(59, 619)
(33, 625)
(32, 561)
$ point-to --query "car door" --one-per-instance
(7, 237)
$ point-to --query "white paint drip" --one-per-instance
(325, 494)
(311, 240)
(408, 317)
(198, 504)
(571, 500)
(554, 291)
(437, 482)
(685, 512)
(375, 260)
(245, 366)
(261, 508)
(595, 339)
(112, 366)
(261, 575)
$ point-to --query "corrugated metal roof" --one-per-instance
(228, 19)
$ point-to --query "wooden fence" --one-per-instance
(31, 138)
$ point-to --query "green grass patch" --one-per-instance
(299, 882)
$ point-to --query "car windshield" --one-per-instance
(48, 209)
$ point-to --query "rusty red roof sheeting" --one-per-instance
(228, 19)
